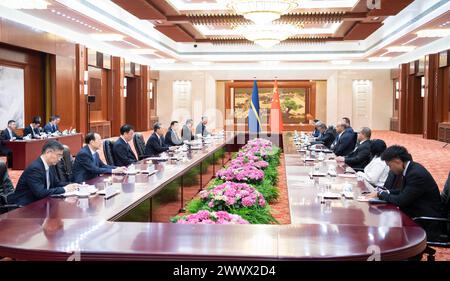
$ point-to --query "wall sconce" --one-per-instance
(85, 82)
(422, 87)
(150, 90)
(125, 87)
(397, 90)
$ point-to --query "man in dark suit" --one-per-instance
(10, 132)
(155, 143)
(201, 127)
(361, 156)
(172, 138)
(348, 126)
(186, 131)
(39, 179)
(326, 136)
(344, 142)
(88, 164)
(52, 126)
(418, 194)
(123, 155)
(34, 128)
(7, 135)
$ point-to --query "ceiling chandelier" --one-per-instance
(262, 11)
(267, 35)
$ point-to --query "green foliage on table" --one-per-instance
(268, 191)
(253, 215)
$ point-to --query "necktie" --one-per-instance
(160, 141)
(47, 175)
(32, 132)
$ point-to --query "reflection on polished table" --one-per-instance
(53, 229)
(26, 151)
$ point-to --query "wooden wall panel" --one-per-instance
(430, 99)
(402, 104)
(65, 95)
(81, 104)
(117, 116)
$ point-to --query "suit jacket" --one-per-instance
(155, 145)
(5, 135)
(49, 128)
(345, 143)
(123, 155)
(28, 131)
(359, 158)
(32, 185)
(316, 133)
(88, 166)
(327, 138)
(418, 194)
(172, 139)
(201, 129)
(186, 133)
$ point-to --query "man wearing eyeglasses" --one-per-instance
(39, 179)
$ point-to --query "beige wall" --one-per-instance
(203, 98)
(334, 96)
(340, 96)
(321, 100)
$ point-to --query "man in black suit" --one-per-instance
(156, 143)
(123, 155)
(361, 156)
(34, 128)
(10, 132)
(348, 126)
(52, 126)
(172, 138)
(326, 136)
(88, 164)
(39, 179)
(344, 142)
(417, 194)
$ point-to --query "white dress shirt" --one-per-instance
(47, 172)
(376, 172)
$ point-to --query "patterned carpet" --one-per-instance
(429, 153)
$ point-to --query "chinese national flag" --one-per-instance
(276, 118)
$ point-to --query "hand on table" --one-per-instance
(340, 159)
(119, 170)
(71, 187)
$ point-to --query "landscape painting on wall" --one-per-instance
(292, 101)
(12, 95)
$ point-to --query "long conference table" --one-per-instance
(133, 225)
(26, 151)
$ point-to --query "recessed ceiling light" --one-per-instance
(433, 33)
(379, 59)
(341, 62)
(108, 37)
(400, 49)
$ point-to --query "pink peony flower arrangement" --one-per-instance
(249, 159)
(233, 195)
(207, 217)
(258, 147)
(241, 173)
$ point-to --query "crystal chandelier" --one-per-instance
(262, 11)
(25, 4)
(267, 35)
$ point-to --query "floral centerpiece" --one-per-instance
(208, 217)
(240, 173)
(233, 195)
